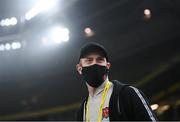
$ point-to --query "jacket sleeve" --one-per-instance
(137, 106)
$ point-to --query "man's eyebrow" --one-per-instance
(87, 57)
(101, 57)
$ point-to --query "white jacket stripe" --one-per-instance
(144, 103)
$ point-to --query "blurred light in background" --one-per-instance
(41, 6)
(8, 21)
(56, 36)
(154, 106)
(16, 45)
(162, 109)
(2, 48)
(59, 34)
(165, 107)
(88, 32)
(147, 13)
(45, 40)
(9, 46)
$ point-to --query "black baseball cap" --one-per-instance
(93, 47)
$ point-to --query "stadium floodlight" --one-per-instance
(7, 46)
(59, 34)
(147, 13)
(42, 5)
(2, 47)
(13, 21)
(88, 32)
(16, 45)
(8, 21)
(154, 106)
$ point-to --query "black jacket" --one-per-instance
(126, 103)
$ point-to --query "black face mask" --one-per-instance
(94, 75)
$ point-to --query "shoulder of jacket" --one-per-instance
(119, 84)
(121, 88)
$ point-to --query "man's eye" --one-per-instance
(101, 59)
(88, 60)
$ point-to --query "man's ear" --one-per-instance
(108, 65)
(79, 69)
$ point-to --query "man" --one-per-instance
(108, 100)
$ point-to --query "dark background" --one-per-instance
(41, 83)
